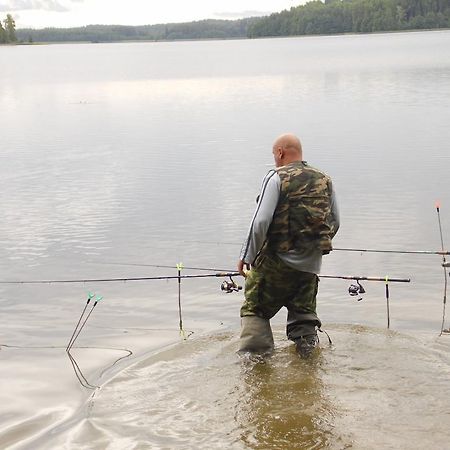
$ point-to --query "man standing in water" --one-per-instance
(292, 227)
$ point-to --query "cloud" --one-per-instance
(241, 14)
(45, 5)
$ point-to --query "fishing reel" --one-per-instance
(230, 286)
(356, 289)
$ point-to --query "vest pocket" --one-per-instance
(309, 221)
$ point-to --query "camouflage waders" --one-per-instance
(271, 284)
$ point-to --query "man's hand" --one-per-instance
(242, 267)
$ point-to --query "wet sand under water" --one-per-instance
(372, 389)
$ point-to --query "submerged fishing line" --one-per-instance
(79, 374)
(76, 368)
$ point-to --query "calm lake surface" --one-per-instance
(118, 157)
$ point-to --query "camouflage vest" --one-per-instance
(303, 217)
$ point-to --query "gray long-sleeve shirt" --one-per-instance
(308, 260)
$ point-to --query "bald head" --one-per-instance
(286, 149)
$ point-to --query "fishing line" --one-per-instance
(358, 250)
(25, 347)
(77, 370)
(330, 342)
(130, 353)
(53, 347)
(79, 374)
(125, 329)
(206, 269)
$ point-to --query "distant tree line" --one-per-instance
(8, 30)
(315, 17)
(204, 29)
(345, 16)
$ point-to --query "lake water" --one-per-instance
(119, 157)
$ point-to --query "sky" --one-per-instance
(70, 13)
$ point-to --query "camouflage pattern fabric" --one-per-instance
(271, 284)
(303, 216)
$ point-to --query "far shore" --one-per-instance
(136, 41)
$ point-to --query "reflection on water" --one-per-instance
(372, 389)
(284, 404)
(200, 394)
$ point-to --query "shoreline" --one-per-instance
(136, 41)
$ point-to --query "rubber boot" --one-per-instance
(301, 328)
(256, 335)
(301, 324)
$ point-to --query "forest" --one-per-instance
(203, 29)
(314, 17)
(8, 30)
(354, 16)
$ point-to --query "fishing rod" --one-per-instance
(407, 252)
(176, 277)
(356, 278)
(226, 286)
(112, 280)
(358, 289)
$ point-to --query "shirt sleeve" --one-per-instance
(262, 218)
(334, 212)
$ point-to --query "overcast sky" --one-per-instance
(68, 13)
